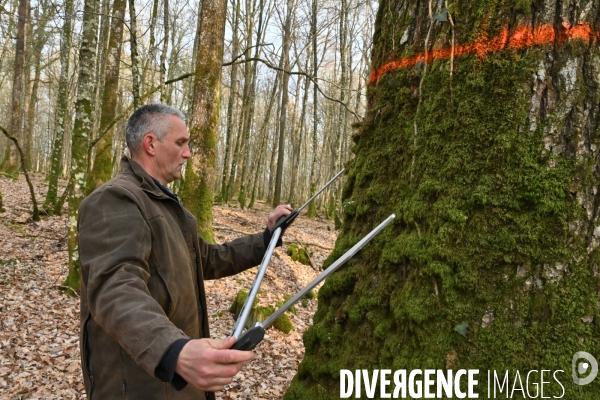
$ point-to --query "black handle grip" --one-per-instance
(250, 339)
(284, 222)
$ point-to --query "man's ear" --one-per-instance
(148, 144)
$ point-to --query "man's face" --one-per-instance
(172, 151)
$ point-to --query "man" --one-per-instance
(144, 322)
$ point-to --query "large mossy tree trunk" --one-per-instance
(197, 192)
(492, 171)
(82, 132)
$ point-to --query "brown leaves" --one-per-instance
(39, 325)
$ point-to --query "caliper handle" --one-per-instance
(250, 339)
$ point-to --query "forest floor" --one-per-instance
(39, 324)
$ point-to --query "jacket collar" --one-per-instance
(145, 181)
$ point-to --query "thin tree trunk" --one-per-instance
(39, 39)
(62, 118)
(82, 131)
(7, 41)
(298, 148)
(11, 159)
(312, 211)
(135, 68)
(248, 106)
(235, 49)
(163, 55)
(101, 51)
(284, 100)
(200, 171)
(102, 169)
(148, 70)
(264, 129)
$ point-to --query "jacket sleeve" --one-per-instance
(114, 248)
(232, 257)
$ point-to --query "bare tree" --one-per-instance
(11, 159)
(291, 4)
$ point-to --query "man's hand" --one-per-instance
(208, 365)
(280, 211)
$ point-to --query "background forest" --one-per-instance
(270, 90)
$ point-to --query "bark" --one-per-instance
(265, 138)
(149, 64)
(248, 106)
(312, 211)
(43, 13)
(82, 131)
(165, 49)
(235, 49)
(200, 171)
(135, 62)
(298, 146)
(102, 170)
(342, 126)
(11, 158)
(8, 40)
(62, 118)
(492, 172)
(284, 100)
(28, 83)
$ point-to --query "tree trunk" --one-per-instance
(102, 170)
(298, 147)
(284, 100)
(200, 171)
(312, 211)
(264, 131)
(248, 106)
(62, 118)
(148, 73)
(492, 172)
(82, 131)
(135, 60)
(10, 34)
(11, 159)
(235, 49)
(165, 49)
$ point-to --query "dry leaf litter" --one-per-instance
(39, 331)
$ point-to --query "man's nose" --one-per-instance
(186, 152)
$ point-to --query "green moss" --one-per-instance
(484, 215)
(260, 313)
(299, 253)
(292, 309)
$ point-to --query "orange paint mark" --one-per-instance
(521, 38)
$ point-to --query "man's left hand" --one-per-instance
(280, 211)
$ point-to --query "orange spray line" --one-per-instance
(522, 37)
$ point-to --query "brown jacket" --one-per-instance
(143, 268)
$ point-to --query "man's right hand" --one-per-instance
(209, 365)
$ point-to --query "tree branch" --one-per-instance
(130, 107)
(36, 212)
(308, 76)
